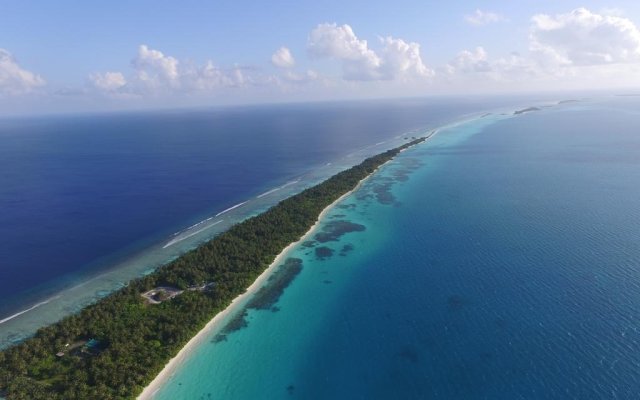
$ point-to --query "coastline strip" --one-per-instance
(303, 211)
(174, 364)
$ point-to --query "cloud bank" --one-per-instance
(578, 49)
(396, 60)
(108, 81)
(155, 73)
(14, 79)
(583, 38)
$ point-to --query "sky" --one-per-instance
(79, 56)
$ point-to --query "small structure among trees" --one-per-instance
(163, 293)
(160, 294)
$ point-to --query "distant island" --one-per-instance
(526, 110)
(115, 347)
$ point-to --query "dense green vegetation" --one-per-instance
(137, 339)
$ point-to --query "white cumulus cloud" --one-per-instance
(13, 78)
(480, 17)
(283, 58)
(155, 72)
(340, 42)
(577, 49)
(470, 61)
(155, 69)
(108, 81)
(400, 58)
(210, 77)
(583, 38)
(397, 59)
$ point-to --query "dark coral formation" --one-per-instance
(332, 231)
(346, 249)
(322, 253)
(266, 297)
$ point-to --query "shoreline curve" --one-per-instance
(176, 362)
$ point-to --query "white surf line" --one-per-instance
(9, 318)
(178, 240)
(199, 223)
(232, 208)
(190, 227)
(378, 144)
(273, 190)
(193, 226)
(290, 183)
(268, 193)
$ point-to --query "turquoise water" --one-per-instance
(499, 260)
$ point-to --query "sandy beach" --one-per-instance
(237, 303)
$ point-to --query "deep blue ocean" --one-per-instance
(81, 195)
(498, 260)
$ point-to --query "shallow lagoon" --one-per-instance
(498, 260)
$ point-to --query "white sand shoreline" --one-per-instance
(174, 364)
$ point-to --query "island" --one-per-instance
(114, 348)
(526, 110)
